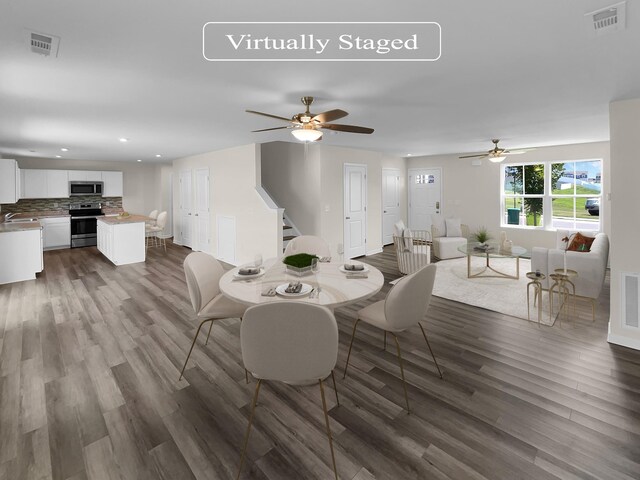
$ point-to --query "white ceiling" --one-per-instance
(526, 72)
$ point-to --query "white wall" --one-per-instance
(624, 122)
(333, 160)
(291, 175)
(140, 180)
(233, 193)
(472, 193)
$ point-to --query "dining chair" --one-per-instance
(203, 273)
(405, 306)
(308, 244)
(290, 342)
(153, 232)
(153, 216)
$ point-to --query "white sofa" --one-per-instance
(591, 266)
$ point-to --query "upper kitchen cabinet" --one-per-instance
(9, 181)
(113, 182)
(85, 176)
(45, 184)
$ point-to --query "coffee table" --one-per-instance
(492, 250)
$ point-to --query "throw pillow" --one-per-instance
(453, 227)
(399, 228)
(580, 243)
(408, 240)
(439, 228)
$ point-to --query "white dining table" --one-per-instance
(332, 288)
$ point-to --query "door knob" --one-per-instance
(348, 218)
(384, 211)
(196, 214)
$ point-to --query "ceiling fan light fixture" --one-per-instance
(307, 134)
(497, 159)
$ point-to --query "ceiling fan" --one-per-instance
(306, 126)
(497, 154)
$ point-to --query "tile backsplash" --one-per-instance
(57, 204)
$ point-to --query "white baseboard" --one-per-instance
(624, 341)
(373, 252)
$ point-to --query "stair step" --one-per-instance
(287, 227)
(286, 238)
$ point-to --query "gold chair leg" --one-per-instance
(246, 376)
(385, 340)
(353, 336)
(246, 436)
(335, 388)
(326, 420)
(208, 334)
(404, 383)
(195, 337)
(429, 345)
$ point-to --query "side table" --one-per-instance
(561, 282)
(536, 278)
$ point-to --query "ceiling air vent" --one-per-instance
(43, 44)
(606, 20)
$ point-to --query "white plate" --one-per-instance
(255, 275)
(306, 290)
(342, 269)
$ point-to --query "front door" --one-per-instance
(390, 203)
(355, 210)
(425, 192)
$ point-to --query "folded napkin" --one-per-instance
(353, 267)
(294, 287)
(358, 275)
(248, 271)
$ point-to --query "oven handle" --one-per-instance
(83, 218)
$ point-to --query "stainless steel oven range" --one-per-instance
(84, 224)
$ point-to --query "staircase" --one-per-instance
(289, 231)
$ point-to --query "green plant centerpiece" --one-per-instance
(482, 236)
(300, 263)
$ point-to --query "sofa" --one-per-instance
(591, 266)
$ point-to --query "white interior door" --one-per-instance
(202, 237)
(355, 210)
(186, 214)
(390, 203)
(425, 196)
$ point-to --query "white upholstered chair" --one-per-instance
(153, 232)
(289, 342)
(447, 236)
(404, 307)
(203, 273)
(153, 216)
(308, 244)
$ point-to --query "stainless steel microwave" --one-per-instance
(77, 188)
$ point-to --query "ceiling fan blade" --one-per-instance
(269, 115)
(517, 152)
(475, 156)
(346, 128)
(329, 116)
(268, 129)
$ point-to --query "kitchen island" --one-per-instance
(121, 239)
(20, 251)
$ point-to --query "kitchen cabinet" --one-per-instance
(45, 183)
(121, 243)
(85, 175)
(34, 183)
(56, 232)
(57, 183)
(9, 181)
(20, 254)
(113, 184)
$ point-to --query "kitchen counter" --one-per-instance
(112, 210)
(122, 220)
(19, 227)
(41, 214)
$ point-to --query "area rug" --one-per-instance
(503, 295)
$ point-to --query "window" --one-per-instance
(422, 179)
(523, 194)
(552, 195)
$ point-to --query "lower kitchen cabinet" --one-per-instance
(56, 232)
(20, 255)
(121, 243)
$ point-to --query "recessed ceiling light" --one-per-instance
(408, 154)
(123, 140)
(58, 156)
(138, 160)
(158, 156)
(63, 149)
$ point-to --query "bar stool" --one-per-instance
(536, 278)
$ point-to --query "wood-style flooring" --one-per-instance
(90, 356)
